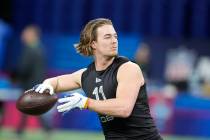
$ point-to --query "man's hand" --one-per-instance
(75, 100)
(42, 87)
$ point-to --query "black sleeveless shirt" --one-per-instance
(102, 85)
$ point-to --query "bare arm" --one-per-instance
(130, 79)
(66, 82)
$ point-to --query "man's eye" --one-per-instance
(107, 37)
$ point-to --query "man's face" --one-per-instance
(107, 42)
(29, 36)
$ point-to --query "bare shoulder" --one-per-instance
(80, 71)
(129, 66)
(130, 70)
(77, 75)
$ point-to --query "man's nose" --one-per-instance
(114, 39)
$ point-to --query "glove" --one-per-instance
(75, 100)
(42, 87)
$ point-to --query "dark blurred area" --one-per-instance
(6, 11)
(175, 63)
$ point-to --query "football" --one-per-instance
(33, 103)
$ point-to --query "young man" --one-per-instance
(114, 86)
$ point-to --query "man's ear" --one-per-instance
(93, 45)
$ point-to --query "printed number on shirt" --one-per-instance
(106, 118)
(98, 92)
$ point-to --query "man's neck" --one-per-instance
(103, 62)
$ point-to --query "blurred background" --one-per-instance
(168, 39)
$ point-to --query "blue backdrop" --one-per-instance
(169, 18)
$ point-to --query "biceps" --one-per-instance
(128, 92)
(68, 82)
